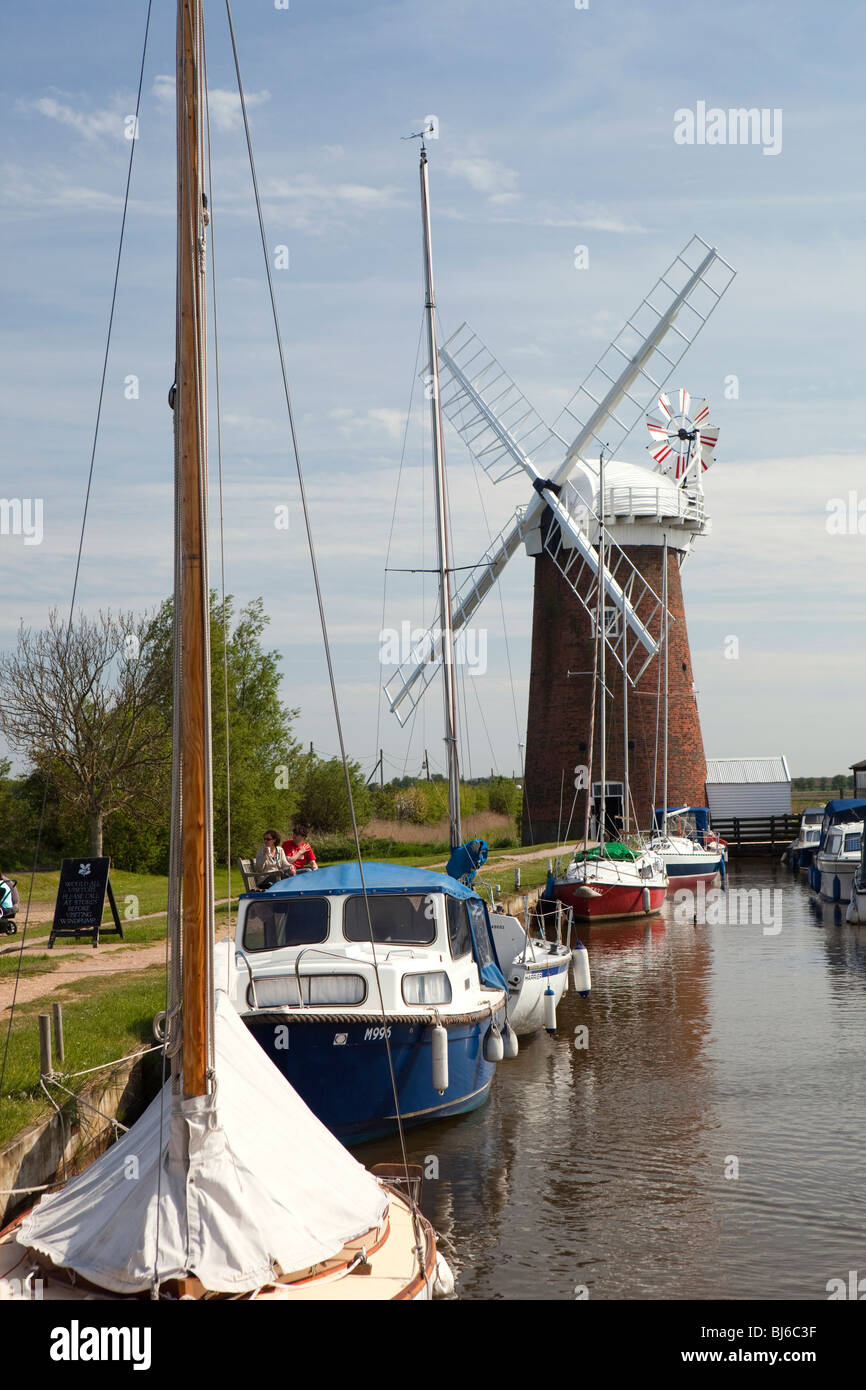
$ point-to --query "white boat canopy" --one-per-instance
(234, 1188)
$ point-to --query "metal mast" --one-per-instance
(446, 630)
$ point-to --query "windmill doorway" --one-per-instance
(614, 803)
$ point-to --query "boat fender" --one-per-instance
(439, 1051)
(509, 1041)
(646, 899)
(550, 1010)
(494, 1048)
(443, 1279)
(580, 970)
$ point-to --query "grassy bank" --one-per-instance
(102, 1021)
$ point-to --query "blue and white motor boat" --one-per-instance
(801, 851)
(838, 856)
(340, 1014)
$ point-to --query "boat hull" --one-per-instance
(526, 1005)
(340, 1068)
(833, 881)
(684, 873)
(614, 901)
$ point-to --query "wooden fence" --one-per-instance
(754, 834)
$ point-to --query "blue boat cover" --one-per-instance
(378, 878)
(845, 804)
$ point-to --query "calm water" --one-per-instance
(605, 1167)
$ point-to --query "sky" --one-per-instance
(558, 129)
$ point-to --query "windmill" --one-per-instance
(647, 514)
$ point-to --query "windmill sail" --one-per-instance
(628, 377)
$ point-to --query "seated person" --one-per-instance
(299, 853)
(271, 863)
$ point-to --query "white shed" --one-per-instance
(748, 787)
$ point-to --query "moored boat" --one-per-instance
(837, 856)
(376, 996)
(611, 882)
(691, 852)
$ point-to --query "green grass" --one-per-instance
(30, 965)
(103, 1019)
(151, 890)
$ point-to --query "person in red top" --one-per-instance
(299, 853)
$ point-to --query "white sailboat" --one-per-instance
(228, 1185)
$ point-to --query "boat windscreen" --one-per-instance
(406, 919)
(270, 923)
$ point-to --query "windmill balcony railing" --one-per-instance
(654, 502)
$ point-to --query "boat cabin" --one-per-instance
(306, 941)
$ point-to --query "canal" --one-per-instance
(693, 1130)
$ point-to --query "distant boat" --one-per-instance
(801, 850)
(837, 856)
(691, 852)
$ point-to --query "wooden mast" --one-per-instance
(193, 598)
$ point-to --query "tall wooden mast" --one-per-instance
(192, 686)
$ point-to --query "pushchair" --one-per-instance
(9, 904)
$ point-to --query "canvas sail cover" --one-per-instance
(233, 1188)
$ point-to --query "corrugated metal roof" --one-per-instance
(740, 770)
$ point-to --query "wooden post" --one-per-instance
(59, 1050)
(45, 1067)
(516, 877)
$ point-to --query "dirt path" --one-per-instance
(518, 858)
(83, 963)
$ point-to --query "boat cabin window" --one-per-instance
(427, 989)
(407, 919)
(834, 844)
(274, 922)
(812, 837)
(459, 934)
(482, 935)
(852, 844)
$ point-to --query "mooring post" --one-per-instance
(59, 1052)
(516, 877)
(45, 1067)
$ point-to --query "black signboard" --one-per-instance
(81, 900)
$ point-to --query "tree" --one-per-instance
(324, 802)
(84, 703)
(264, 759)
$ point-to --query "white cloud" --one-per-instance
(487, 176)
(92, 125)
(225, 106)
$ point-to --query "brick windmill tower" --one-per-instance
(651, 519)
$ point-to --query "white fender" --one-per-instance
(440, 1058)
(580, 970)
(509, 1041)
(550, 1010)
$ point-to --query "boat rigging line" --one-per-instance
(87, 495)
(324, 626)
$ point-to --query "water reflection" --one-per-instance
(706, 1143)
